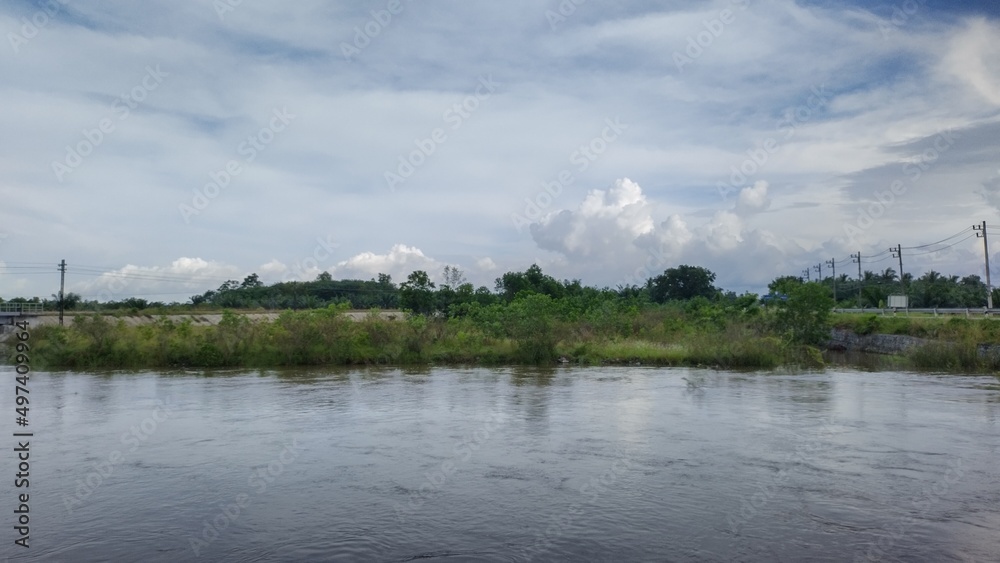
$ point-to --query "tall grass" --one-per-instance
(534, 332)
(961, 357)
(956, 346)
(952, 329)
(327, 337)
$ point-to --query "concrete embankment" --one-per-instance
(849, 341)
(891, 344)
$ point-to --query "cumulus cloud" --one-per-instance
(615, 232)
(486, 264)
(724, 233)
(273, 269)
(753, 199)
(399, 262)
(606, 220)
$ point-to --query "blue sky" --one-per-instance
(603, 141)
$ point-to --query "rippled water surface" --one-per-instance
(602, 464)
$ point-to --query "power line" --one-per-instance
(147, 277)
(28, 273)
(867, 261)
(963, 231)
(973, 235)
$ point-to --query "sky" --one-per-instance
(163, 147)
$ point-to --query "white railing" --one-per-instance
(21, 308)
(968, 312)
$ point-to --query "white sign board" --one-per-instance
(898, 302)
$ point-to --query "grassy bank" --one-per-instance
(532, 331)
(959, 344)
(728, 333)
(949, 329)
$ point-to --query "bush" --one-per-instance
(805, 316)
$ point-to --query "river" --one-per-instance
(511, 464)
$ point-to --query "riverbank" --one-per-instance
(961, 345)
(663, 336)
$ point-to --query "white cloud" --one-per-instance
(606, 220)
(753, 199)
(624, 245)
(486, 264)
(724, 233)
(399, 262)
(272, 270)
(973, 56)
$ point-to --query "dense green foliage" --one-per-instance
(420, 294)
(682, 283)
(532, 328)
(928, 291)
(805, 315)
(677, 318)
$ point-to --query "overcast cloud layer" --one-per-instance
(187, 142)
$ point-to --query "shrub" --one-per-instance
(805, 316)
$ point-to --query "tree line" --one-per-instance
(454, 295)
(931, 290)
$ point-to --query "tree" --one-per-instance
(528, 321)
(252, 281)
(230, 285)
(70, 300)
(416, 293)
(784, 284)
(805, 316)
(972, 292)
(533, 280)
(453, 277)
(135, 303)
(682, 283)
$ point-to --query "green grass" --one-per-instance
(327, 337)
(952, 329)
(664, 335)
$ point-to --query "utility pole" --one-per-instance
(806, 274)
(897, 252)
(62, 288)
(819, 271)
(833, 264)
(857, 259)
(981, 233)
